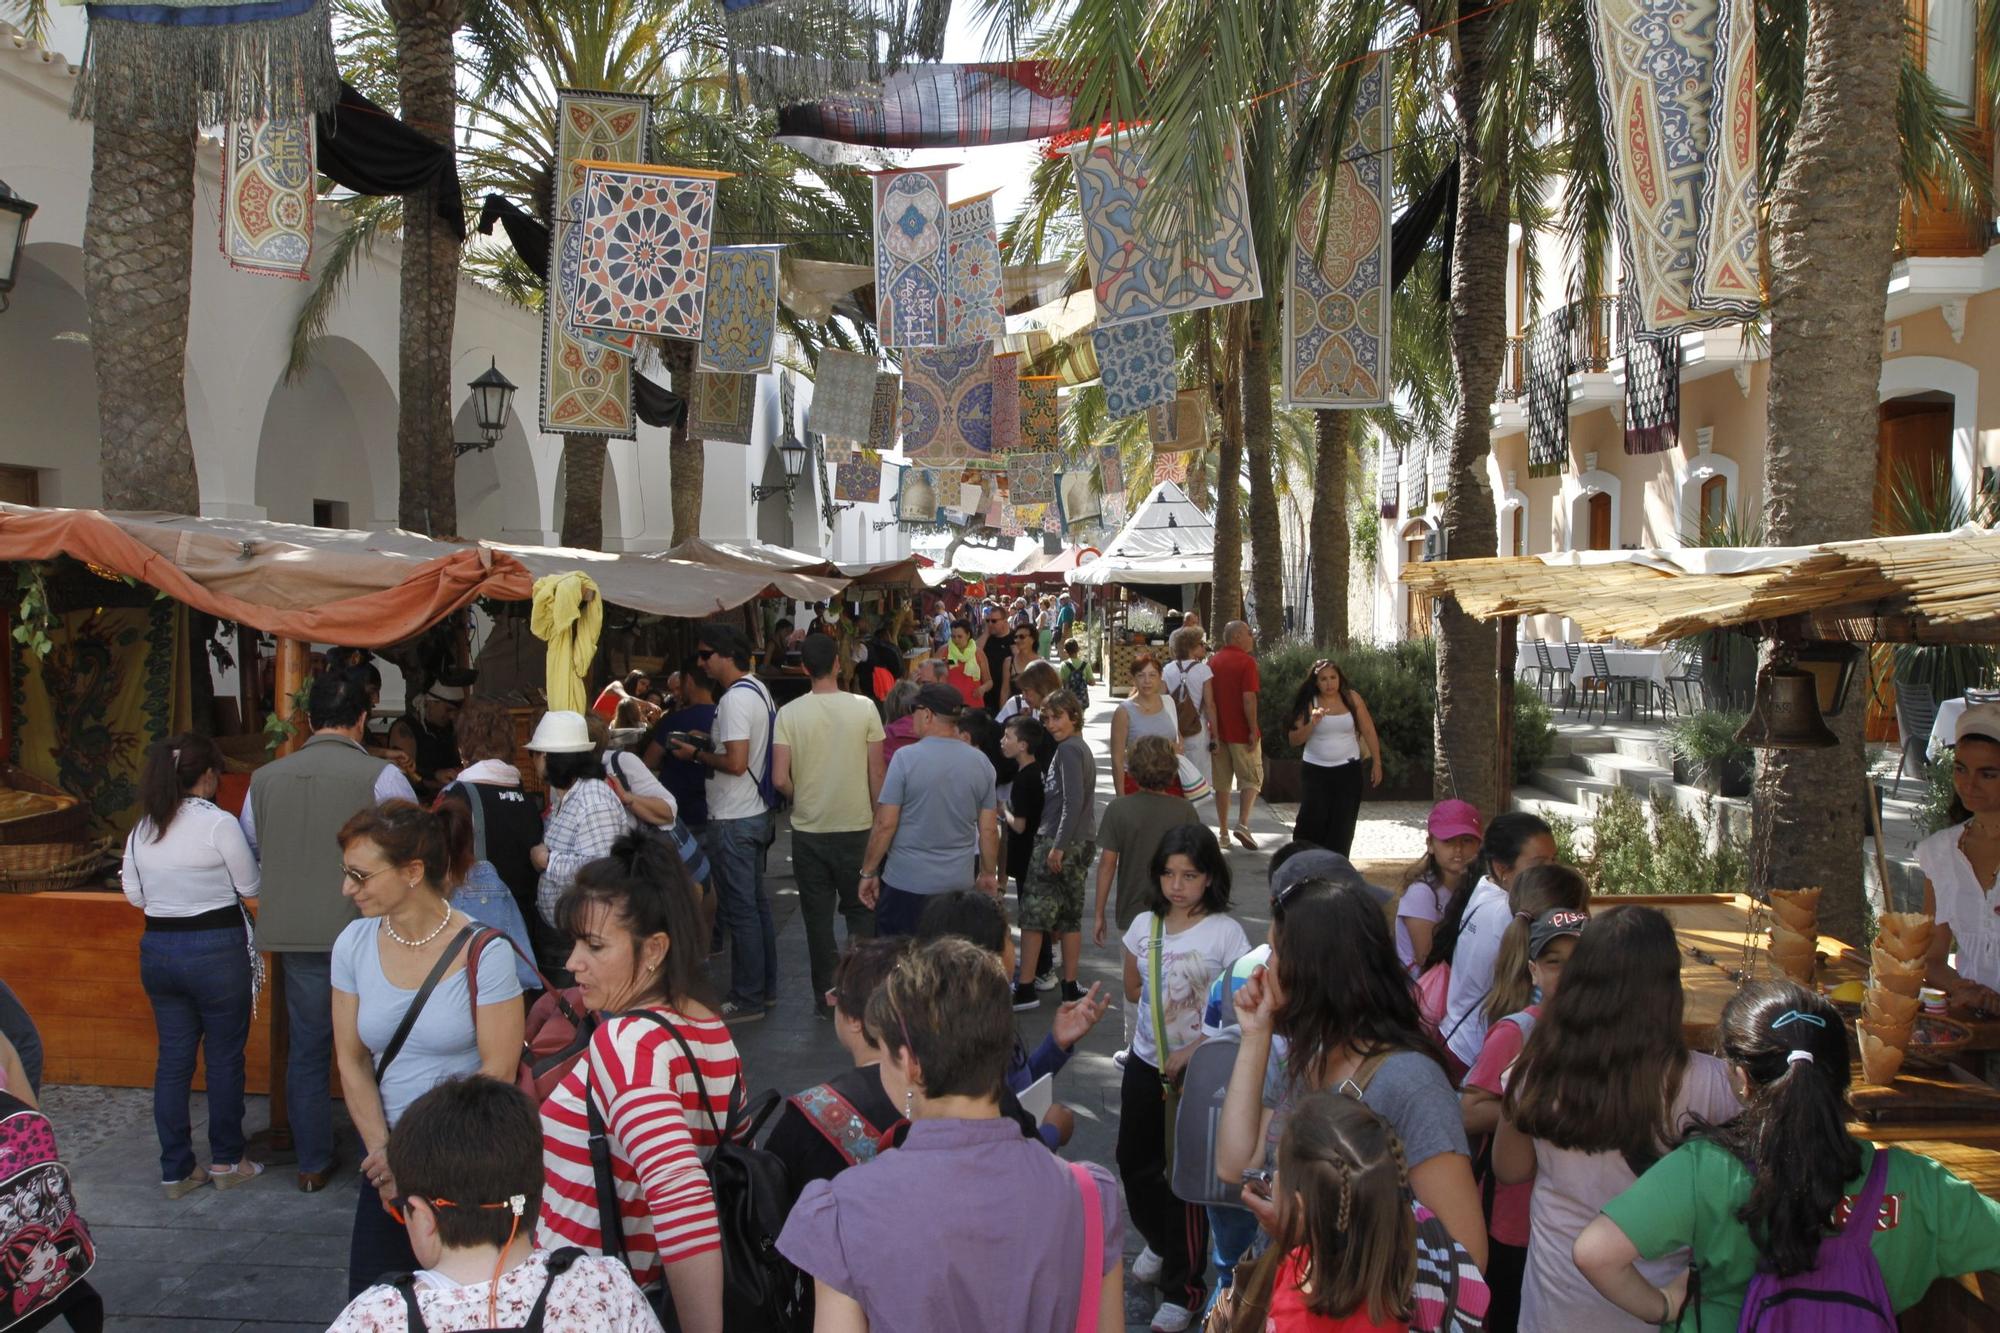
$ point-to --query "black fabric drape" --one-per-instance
(1410, 233)
(371, 152)
(656, 404)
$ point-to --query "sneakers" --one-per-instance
(1026, 997)
(1120, 1058)
(1071, 992)
(1171, 1318)
(733, 1012)
(1046, 980)
(1146, 1268)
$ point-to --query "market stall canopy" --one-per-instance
(366, 589)
(1168, 541)
(761, 557)
(1042, 567)
(1941, 587)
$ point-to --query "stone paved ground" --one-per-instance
(264, 1257)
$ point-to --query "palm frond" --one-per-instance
(367, 220)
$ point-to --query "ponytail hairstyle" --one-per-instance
(1344, 1201)
(173, 766)
(1537, 889)
(644, 883)
(440, 840)
(1792, 1132)
(1505, 838)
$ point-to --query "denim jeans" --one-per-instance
(308, 1090)
(1230, 1231)
(736, 852)
(199, 983)
(377, 1245)
(827, 867)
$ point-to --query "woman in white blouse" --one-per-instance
(1330, 723)
(1961, 864)
(188, 866)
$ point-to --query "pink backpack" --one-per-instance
(1433, 991)
(44, 1246)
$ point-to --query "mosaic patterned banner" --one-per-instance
(586, 383)
(1111, 469)
(1337, 282)
(884, 412)
(972, 311)
(739, 323)
(644, 268)
(1182, 425)
(724, 407)
(267, 196)
(1080, 503)
(1006, 403)
(1031, 478)
(948, 403)
(1726, 270)
(1138, 276)
(1656, 85)
(843, 402)
(1170, 467)
(917, 495)
(911, 257)
(858, 478)
(1136, 362)
(1041, 413)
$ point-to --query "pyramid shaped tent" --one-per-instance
(1168, 541)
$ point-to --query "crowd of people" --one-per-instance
(1460, 1100)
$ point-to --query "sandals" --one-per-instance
(228, 1178)
(180, 1189)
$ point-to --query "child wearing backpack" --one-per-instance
(1768, 1200)
(1442, 879)
(1172, 953)
(1076, 672)
(467, 1157)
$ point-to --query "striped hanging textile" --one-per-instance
(1652, 391)
(937, 106)
(1549, 352)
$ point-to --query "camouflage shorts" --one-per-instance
(1053, 903)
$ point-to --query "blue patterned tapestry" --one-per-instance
(1136, 362)
(972, 312)
(843, 402)
(948, 404)
(740, 314)
(911, 257)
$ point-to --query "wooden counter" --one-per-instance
(73, 958)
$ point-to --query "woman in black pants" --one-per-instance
(1330, 723)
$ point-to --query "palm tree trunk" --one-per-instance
(1328, 539)
(1467, 727)
(1267, 533)
(1228, 480)
(583, 492)
(427, 497)
(138, 261)
(1836, 196)
(686, 456)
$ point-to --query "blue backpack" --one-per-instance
(1843, 1291)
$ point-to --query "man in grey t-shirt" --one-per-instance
(937, 826)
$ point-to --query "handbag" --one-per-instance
(1093, 1248)
(1170, 1093)
(1194, 786)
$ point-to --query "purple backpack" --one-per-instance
(1843, 1291)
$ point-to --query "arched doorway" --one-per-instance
(49, 450)
(327, 452)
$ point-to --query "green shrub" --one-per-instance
(1939, 794)
(1563, 830)
(1659, 848)
(1706, 742)
(1534, 731)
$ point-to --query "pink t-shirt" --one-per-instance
(1572, 1187)
(1504, 1041)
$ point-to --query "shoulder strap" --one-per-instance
(694, 1066)
(1860, 1228)
(1159, 1006)
(477, 808)
(610, 1223)
(413, 1314)
(1364, 1074)
(1093, 1248)
(557, 1264)
(438, 969)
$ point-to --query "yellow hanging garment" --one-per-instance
(569, 615)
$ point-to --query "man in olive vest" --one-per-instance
(296, 808)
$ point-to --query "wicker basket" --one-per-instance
(1948, 1038)
(45, 867)
(69, 821)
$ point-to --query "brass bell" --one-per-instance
(1787, 716)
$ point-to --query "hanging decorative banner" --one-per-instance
(917, 496)
(938, 106)
(857, 478)
(644, 268)
(1182, 425)
(724, 407)
(1139, 277)
(1657, 83)
(1726, 271)
(884, 411)
(1071, 361)
(911, 257)
(1111, 469)
(1137, 364)
(1416, 477)
(1388, 469)
(586, 383)
(1031, 478)
(1170, 467)
(1549, 366)
(1041, 413)
(232, 60)
(972, 311)
(1652, 392)
(1006, 404)
(948, 403)
(267, 196)
(739, 322)
(843, 403)
(1078, 494)
(1033, 517)
(1337, 281)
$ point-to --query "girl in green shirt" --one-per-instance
(1764, 1189)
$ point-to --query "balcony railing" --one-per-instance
(1594, 331)
(1513, 371)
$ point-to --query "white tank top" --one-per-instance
(1333, 742)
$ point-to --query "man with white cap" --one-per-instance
(425, 734)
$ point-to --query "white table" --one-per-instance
(1649, 664)
(1944, 731)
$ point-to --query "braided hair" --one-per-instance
(1343, 1191)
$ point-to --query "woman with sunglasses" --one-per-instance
(405, 1017)
(1146, 712)
(1330, 722)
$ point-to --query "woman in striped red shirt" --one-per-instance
(632, 916)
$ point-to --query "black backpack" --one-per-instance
(762, 1291)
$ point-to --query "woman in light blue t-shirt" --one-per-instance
(396, 861)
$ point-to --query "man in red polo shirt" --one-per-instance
(1238, 742)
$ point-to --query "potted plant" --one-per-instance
(1706, 748)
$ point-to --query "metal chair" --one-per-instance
(1599, 687)
(1547, 677)
(1622, 691)
(1685, 681)
(1916, 713)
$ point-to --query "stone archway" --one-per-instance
(49, 383)
(327, 449)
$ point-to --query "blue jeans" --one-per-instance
(736, 853)
(1230, 1231)
(308, 1090)
(897, 911)
(199, 983)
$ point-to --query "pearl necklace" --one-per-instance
(390, 926)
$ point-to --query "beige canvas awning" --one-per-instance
(763, 557)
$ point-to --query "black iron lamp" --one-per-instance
(14, 214)
(1832, 666)
(792, 454)
(492, 399)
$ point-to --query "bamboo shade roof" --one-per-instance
(1932, 587)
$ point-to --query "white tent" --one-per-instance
(1168, 541)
